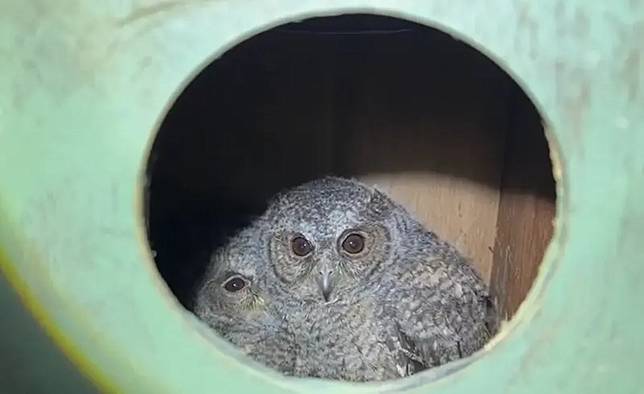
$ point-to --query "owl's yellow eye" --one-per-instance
(353, 243)
(234, 284)
(301, 246)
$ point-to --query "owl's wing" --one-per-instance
(441, 312)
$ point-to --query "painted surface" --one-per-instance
(83, 85)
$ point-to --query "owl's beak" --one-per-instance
(326, 283)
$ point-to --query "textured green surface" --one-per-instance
(84, 83)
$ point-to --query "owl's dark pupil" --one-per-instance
(301, 247)
(235, 284)
(353, 243)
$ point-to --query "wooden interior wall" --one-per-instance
(526, 208)
(412, 110)
(425, 120)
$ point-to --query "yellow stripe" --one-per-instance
(90, 371)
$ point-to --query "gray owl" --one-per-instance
(358, 290)
(233, 301)
(367, 292)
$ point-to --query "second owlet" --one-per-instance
(364, 290)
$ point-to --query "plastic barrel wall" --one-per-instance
(84, 86)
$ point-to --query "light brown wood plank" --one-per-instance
(526, 210)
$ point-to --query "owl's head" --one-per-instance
(327, 237)
(232, 297)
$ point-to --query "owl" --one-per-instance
(232, 299)
(358, 289)
(367, 292)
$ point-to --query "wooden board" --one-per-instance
(526, 209)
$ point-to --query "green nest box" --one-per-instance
(123, 122)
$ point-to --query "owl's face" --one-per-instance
(232, 298)
(328, 237)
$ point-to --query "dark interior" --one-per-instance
(355, 95)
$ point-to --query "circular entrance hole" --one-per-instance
(432, 121)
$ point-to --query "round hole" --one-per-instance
(431, 121)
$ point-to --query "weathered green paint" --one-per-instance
(83, 85)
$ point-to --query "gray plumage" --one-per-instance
(232, 299)
(361, 290)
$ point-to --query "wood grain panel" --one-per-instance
(526, 209)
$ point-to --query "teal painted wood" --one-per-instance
(84, 84)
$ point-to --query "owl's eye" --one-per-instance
(353, 243)
(301, 246)
(234, 284)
